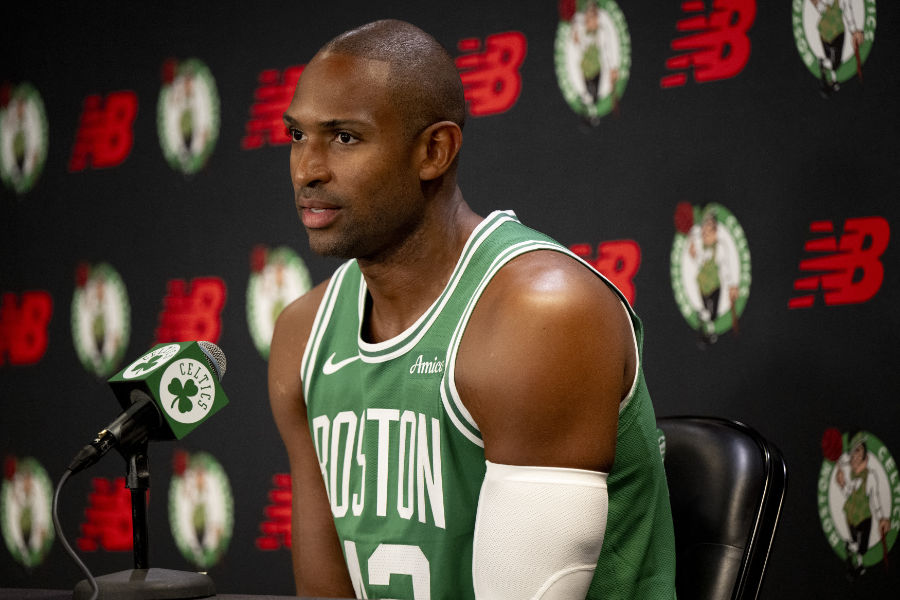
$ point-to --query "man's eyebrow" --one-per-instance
(329, 124)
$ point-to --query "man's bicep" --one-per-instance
(543, 367)
(319, 567)
(289, 339)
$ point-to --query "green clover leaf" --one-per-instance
(149, 365)
(183, 394)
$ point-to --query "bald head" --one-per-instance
(424, 81)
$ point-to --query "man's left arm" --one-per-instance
(547, 357)
(884, 523)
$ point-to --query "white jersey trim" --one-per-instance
(320, 325)
(403, 342)
(453, 404)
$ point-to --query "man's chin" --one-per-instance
(329, 247)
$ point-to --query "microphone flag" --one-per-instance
(182, 378)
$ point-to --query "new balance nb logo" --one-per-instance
(848, 271)
(716, 42)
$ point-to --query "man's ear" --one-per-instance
(440, 146)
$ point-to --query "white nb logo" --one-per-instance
(330, 367)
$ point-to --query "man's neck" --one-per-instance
(403, 285)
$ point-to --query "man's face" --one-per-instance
(858, 459)
(592, 18)
(708, 231)
(356, 184)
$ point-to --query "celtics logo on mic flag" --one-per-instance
(182, 379)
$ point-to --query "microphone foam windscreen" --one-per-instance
(216, 356)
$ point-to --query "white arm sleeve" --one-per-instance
(538, 532)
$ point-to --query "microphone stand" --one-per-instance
(142, 582)
(137, 480)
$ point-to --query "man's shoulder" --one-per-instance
(549, 279)
(547, 297)
(543, 296)
(297, 317)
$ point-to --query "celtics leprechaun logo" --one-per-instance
(201, 508)
(23, 136)
(859, 498)
(187, 114)
(592, 56)
(834, 38)
(101, 318)
(25, 510)
(710, 269)
(277, 277)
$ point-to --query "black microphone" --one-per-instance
(165, 394)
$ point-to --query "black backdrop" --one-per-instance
(766, 145)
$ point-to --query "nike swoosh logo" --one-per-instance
(330, 367)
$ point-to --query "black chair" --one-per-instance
(726, 486)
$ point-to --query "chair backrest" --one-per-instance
(726, 486)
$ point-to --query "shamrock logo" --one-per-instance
(183, 394)
(149, 365)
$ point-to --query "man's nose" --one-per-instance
(309, 166)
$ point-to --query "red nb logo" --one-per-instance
(271, 99)
(193, 313)
(716, 46)
(848, 271)
(23, 327)
(276, 529)
(107, 518)
(618, 260)
(491, 77)
(105, 134)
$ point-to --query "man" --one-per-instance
(714, 272)
(597, 43)
(450, 398)
(862, 503)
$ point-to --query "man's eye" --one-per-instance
(295, 134)
(345, 138)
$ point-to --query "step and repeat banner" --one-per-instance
(732, 165)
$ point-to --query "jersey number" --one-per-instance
(387, 560)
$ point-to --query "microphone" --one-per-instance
(165, 394)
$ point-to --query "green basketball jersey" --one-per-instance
(403, 460)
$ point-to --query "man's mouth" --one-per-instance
(318, 217)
